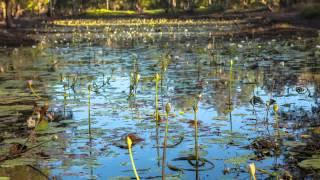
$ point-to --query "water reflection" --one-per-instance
(189, 65)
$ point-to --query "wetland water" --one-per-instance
(91, 99)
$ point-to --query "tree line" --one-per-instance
(11, 9)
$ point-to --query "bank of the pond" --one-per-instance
(11, 38)
(257, 22)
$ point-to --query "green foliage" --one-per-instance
(105, 12)
(312, 164)
(211, 9)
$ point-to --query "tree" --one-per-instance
(8, 14)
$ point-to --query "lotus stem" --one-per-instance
(157, 84)
(129, 142)
(276, 109)
(32, 90)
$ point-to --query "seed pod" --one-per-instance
(129, 142)
(275, 107)
(195, 107)
(55, 137)
(252, 170)
(157, 77)
(168, 108)
(29, 82)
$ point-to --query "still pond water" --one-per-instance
(88, 81)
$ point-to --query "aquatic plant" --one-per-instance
(31, 123)
(129, 142)
(17, 149)
(29, 83)
(157, 114)
(277, 135)
(252, 171)
(196, 146)
(65, 98)
(89, 105)
(168, 109)
(134, 80)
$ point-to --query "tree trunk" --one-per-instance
(3, 12)
(190, 6)
(18, 11)
(9, 22)
(50, 8)
(73, 7)
(167, 5)
(227, 4)
(173, 4)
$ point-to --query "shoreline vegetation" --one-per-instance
(264, 21)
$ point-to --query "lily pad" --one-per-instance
(311, 164)
(239, 160)
(42, 126)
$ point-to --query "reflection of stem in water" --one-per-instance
(277, 126)
(64, 100)
(89, 104)
(157, 141)
(156, 99)
(269, 103)
(230, 84)
(89, 127)
(230, 118)
(277, 135)
(195, 108)
(168, 107)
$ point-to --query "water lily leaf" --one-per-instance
(42, 126)
(174, 168)
(239, 160)
(310, 164)
(18, 162)
(293, 143)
